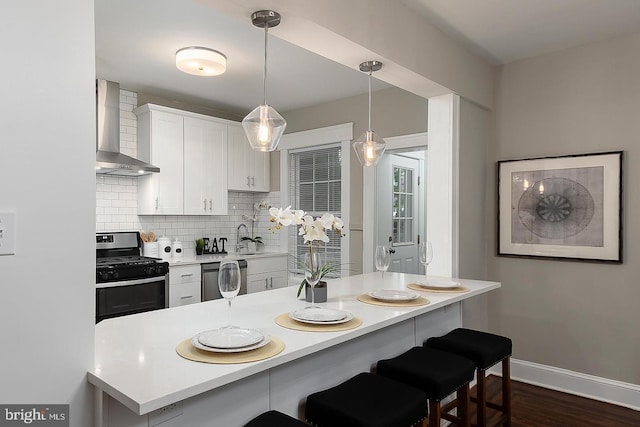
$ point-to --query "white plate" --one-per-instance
(393, 295)
(230, 337)
(321, 316)
(262, 343)
(439, 283)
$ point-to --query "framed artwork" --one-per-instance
(566, 207)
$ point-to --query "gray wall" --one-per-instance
(475, 170)
(573, 315)
(394, 112)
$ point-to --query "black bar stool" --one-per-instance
(438, 374)
(275, 419)
(485, 350)
(367, 400)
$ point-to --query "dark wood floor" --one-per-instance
(540, 407)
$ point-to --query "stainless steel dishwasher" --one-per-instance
(210, 272)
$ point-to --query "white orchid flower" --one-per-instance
(313, 232)
(297, 216)
(326, 220)
(282, 217)
(311, 229)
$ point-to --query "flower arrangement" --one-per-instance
(311, 229)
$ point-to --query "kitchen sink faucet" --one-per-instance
(239, 244)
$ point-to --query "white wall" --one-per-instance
(47, 140)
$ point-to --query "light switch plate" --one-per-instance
(7, 233)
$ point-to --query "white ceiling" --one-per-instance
(136, 42)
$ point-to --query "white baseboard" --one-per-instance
(598, 388)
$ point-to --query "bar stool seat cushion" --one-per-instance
(367, 400)
(435, 372)
(483, 348)
(275, 419)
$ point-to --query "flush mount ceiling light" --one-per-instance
(201, 61)
(264, 126)
(369, 147)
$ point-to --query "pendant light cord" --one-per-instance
(370, 72)
(264, 72)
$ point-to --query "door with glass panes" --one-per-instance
(397, 210)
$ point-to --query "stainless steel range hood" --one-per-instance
(109, 160)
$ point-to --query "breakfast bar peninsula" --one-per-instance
(145, 375)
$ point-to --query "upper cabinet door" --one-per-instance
(161, 138)
(205, 167)
(248, 169)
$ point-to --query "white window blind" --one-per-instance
(315, 186)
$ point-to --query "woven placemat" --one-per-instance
(188, 351)
(413, 303)
(286, 322)
(457, 289)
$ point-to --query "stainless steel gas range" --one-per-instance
(126, 282)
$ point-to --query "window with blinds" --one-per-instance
(315, 186)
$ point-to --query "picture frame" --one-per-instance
(564, 207)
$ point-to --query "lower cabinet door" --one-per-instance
(184, 294)
(258, 282)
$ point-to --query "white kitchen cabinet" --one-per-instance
(184, 285)
(248, 170)
(160, 136)
(190, 150)
(266, 273)
(205, 167)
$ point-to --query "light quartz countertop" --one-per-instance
(206, 258)
(136, 361)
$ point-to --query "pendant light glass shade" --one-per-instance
(369, 147)
(264, 126)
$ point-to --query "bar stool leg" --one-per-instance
(434, 413)
(481, 389)
(506, 391)
(464, 404)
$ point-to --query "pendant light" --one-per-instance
(369, 147)
(264, 126)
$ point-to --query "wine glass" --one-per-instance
(383, 258)
(426, 255)
(229, 283)
(312, 272)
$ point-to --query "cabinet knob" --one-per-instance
(210, 205)
(253, 181)
(248, 181)
(205, 204)
(156, 203)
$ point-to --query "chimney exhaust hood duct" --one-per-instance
(109, 160)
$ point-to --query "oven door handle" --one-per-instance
(131, 282)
